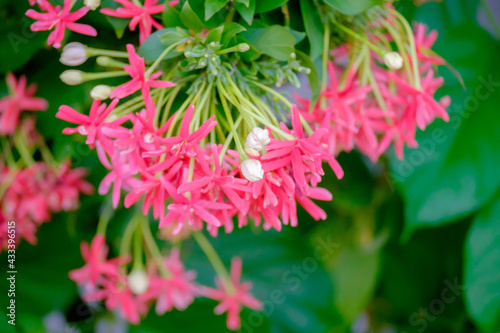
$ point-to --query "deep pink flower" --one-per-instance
(97, 266)
(139, 15)
(90, 125)
(59, 19)
(137, 71)
(232, 301)
(175, 291)
(20, 99)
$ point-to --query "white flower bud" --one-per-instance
(252, 170)
(101, 92)
(73, 54)
(257, 139)
(138, 281)
(72, 77)
(393, 60)
(92, 4)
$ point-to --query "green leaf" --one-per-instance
(170, 37)
(247, 11)
(118, 24)
(268, 5)
(286, 273)
(215, 35)
(275, 41)
(314, 28)
(152, 47)
(190, 19)
(313, 76)
(244, 2)
(298, 35)
(213, 6)
(452, 173)
(482, 269)
(231, 29)
(171, 17)
(353, 7)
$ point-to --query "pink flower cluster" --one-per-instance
(199, 186)
(105, 279)
(36, 192)
(353, 117)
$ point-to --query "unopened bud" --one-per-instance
(243, 47)
(103, 61)
(257, 139)
(252, 170)
(393, 60)
(72, 77)
(101, 92)
(73, 54)
(138, 281)
(92, 4)
(250, 151)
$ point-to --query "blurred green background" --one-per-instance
(408, 246)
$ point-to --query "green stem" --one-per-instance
(138, 252)
(23, 150)
(153, 247)
(215, 260)
(104, 219)
(160, 58)
(91, 52)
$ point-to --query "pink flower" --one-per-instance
(174, 291)
(139, 16)
(232, 301)
(59, 19)
(90, 125)
(20, 99)
(117, 296)
(96, 264)
(137, 70)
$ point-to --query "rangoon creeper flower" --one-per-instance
(393, 60)
(252, 170)
(20, 99)
(59, 18)
(73, 54)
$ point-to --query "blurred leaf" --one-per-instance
(286, 274)
(171, 17)
(246, 11)
(353, 7)
(152, 47)
(231, 29)
(314, 28)
(215, 35)
(190, 19)
(268, 5)
(275, 41)
(213, 6)
(453, 173)
(482, 268)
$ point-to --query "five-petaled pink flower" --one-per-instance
(137, 70)
(232, 300)
(59, 19)
(139, 15)
(97, 266)
(89, 125)
(20, 99)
